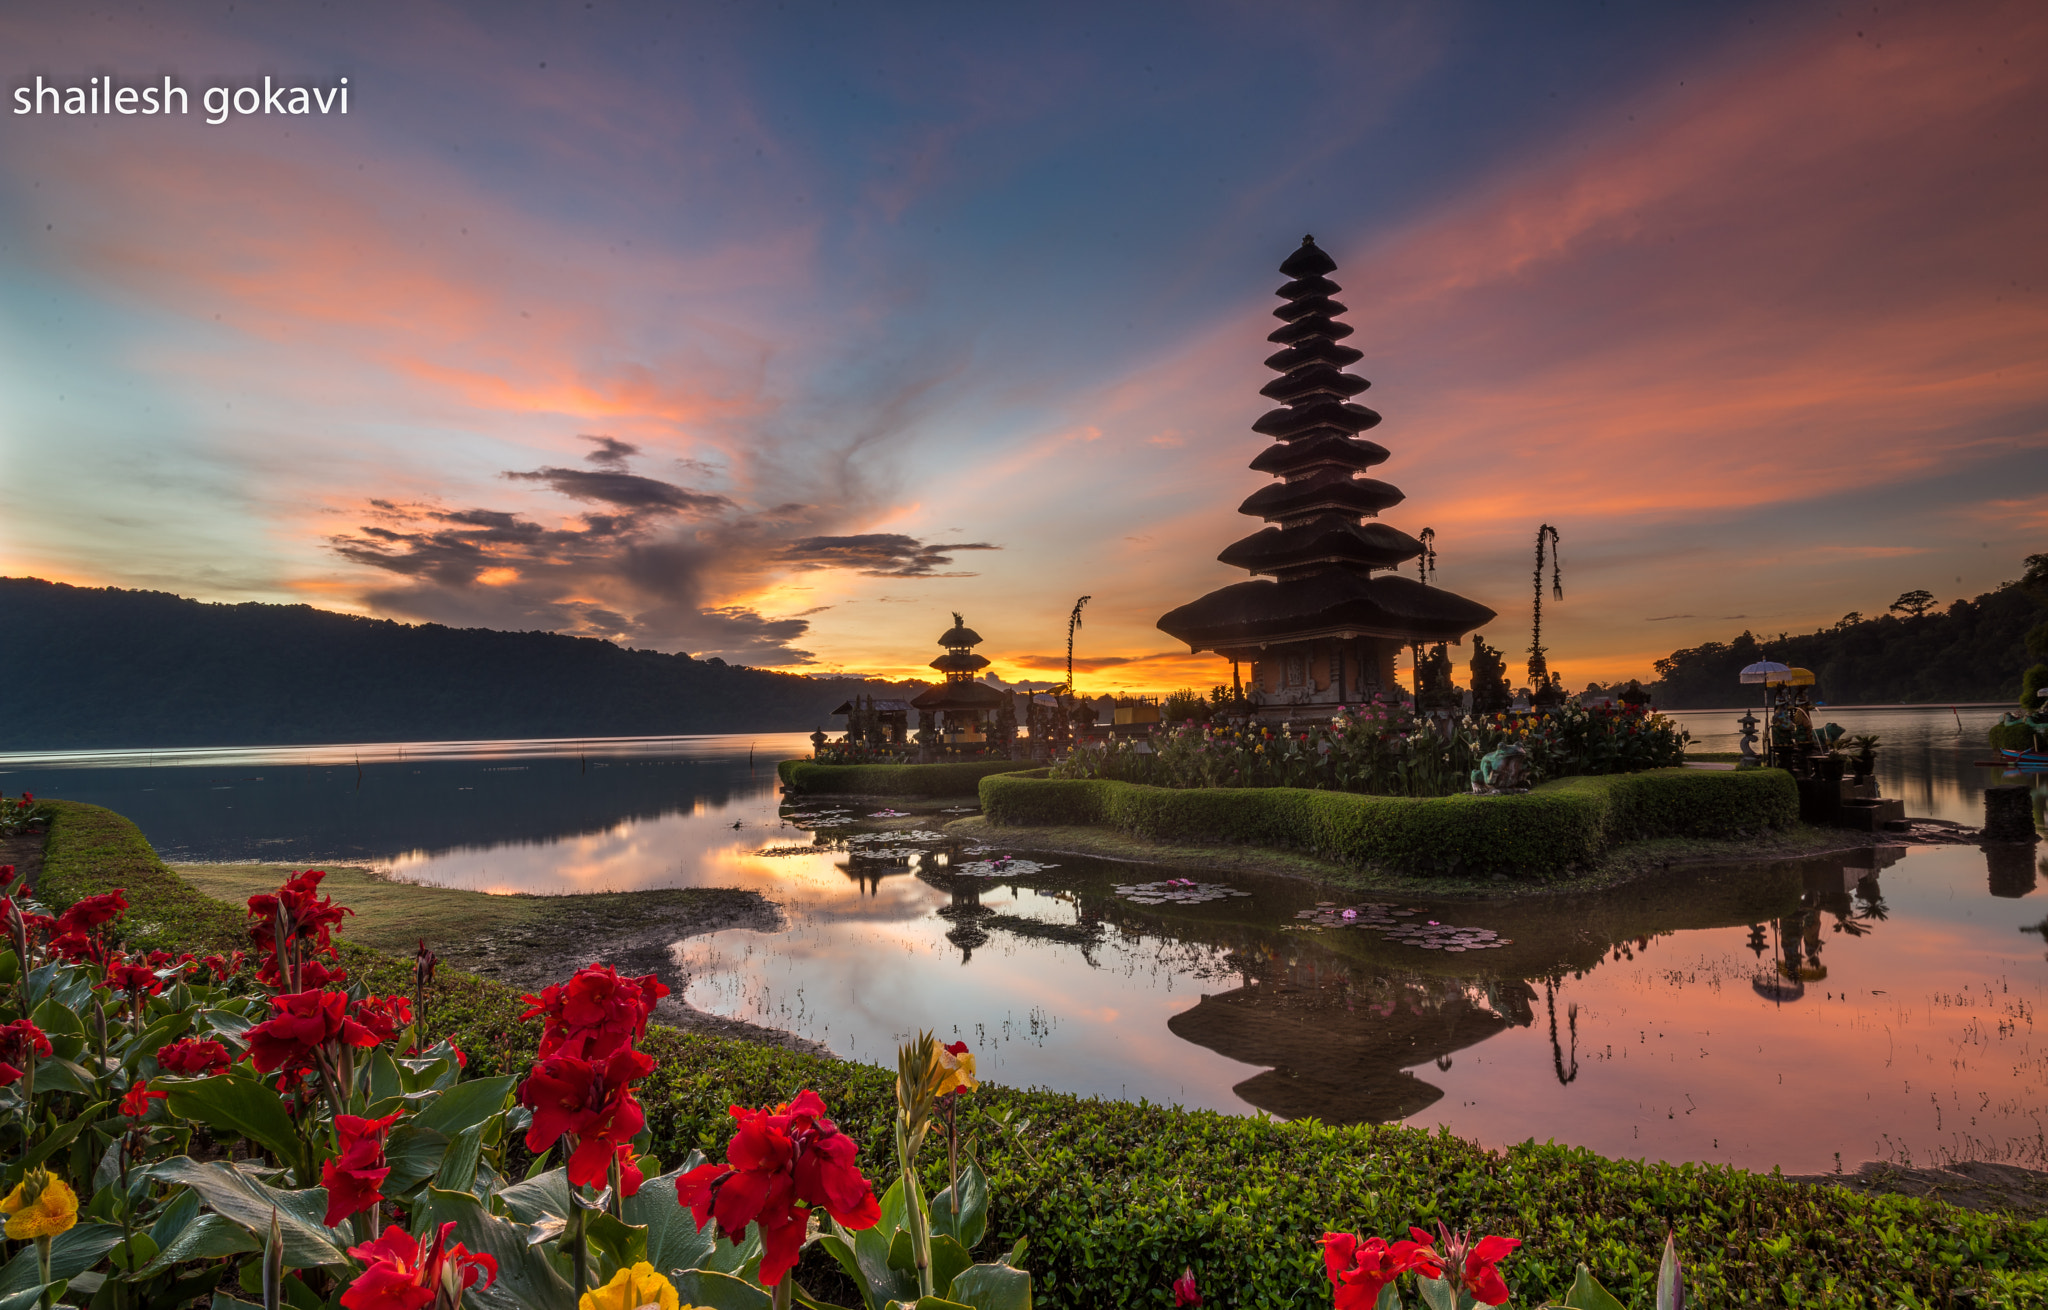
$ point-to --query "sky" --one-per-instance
(779, 332)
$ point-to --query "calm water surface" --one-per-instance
(1880, 1006)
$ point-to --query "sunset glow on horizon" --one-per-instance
(779, 337)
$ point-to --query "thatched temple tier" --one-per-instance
(1325, 617)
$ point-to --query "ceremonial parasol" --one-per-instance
(1762, 671)
(1789, 678)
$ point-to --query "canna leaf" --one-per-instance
(205, 1238)
(301, 1216)
(673, 1239)
(1670, 1286)
(72, 1252)
(526, 1280)
(973, 1218)
(1587, 1294)
(236, 1107)
(992, 1287)
(711, 1290)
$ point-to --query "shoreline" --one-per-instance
(526, 941)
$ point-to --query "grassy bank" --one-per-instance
(1544, 835)
(1115, 1197)
(958, 779)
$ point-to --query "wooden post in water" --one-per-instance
(2009, 814)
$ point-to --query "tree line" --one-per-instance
(104, 668)
(1915, 652)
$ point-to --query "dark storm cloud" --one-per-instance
(879, 554)
(611, 451)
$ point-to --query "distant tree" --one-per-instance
(1914, 604)
(1185, 704)
(1849, 620)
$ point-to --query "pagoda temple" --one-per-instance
(1325, 615)
(965, 703)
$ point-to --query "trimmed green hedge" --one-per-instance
(892, 779)
(1117, 1197)
(1539, 835)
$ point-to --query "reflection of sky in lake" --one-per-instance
(1919, 1040)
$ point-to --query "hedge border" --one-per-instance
(1117, 1197)
(957, 779)
(1541, 835)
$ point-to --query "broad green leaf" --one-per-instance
(222, 1301)
(308, 1242)
(465, 1105)
(1437, 1293)
(236, 1107)
(940, 1303)
(130, 1255)
(973, 1219)
(902, 1255)
(526, 1281)
(72, 1252)
(57, 1074)
(227, 1023)
(61, 1138)
(619, 1245)
(992, 1287)
(1586, 1294)
(384, 1083)
(841, 1249)
(458, 1167)
(414, 1155)
(30, 1297)
(711, 1290)
(872, 1270)
(1389, 1298)
(895, 1210)
(949, 1258)
(178, 1212)
(673, 1240)
(545, 1196)
(205, 1238)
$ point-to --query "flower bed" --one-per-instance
(1115, 1200)
(1385, 749)
(1541, 835)
(957, 779)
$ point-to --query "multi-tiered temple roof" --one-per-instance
(1326, 560)
(959, 691)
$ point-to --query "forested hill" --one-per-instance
(1975, 650)
(100, 667)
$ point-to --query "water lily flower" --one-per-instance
(41, 1205)
(630, 1289)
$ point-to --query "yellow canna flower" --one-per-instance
(632, 1289)
(952, 1069)
(41, 1205)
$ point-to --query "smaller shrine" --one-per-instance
(963, 715)
(876, 722)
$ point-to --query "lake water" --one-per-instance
(1876, 1006)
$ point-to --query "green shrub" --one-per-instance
(892, 779)
(1116, 1197)
(2017, 736)
(1538, 836)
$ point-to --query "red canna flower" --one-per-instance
(315, 974)
(384, 1016)
(630, 1177)
(396, 1277)
(595, 1013)
(355, 1176)
(304, 919)
(194, 1058)
(137, 980)
(780, 1164)
(589, 1101)
(302, 1024)
(90, 913)
(1185, 1293)
(158, 959)
(6, 874)
(1470, 1264)
(136, 1103)
(1359, 1270)
(21, 1042)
